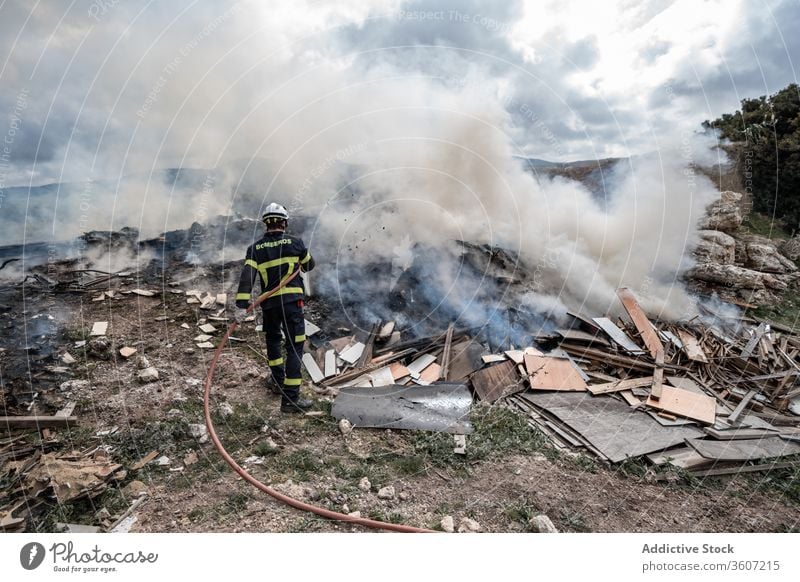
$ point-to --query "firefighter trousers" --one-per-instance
(286, 322)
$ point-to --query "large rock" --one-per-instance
(791, 248)
(764, 256)
(738, 277)
(725, 214)
(715, 247)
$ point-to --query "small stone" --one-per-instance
(447, 523)
(190, 458)
(200, 432)
(163, 461)
(67, 358)
(127, 352)
(386, 492)
(404, 496)
(208, 328)
(103, 514)
(543, 524)
(467, 525)
(225, 410)
(173, 413)
(148, 375)
(354, 514)
(345, 427)
(345, 508)
(189, 351)
(364, 484)
(100, 348)
(71, 385)
(141, 362)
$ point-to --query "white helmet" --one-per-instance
(275, 211)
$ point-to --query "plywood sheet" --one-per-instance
(613, 427)
(553, 374)
(685, 404)
(691, 347)
(744, 450)
(620, 337)
(495, 382)
(398, 370)
(465, 358)
(312, 368)
(430, 374)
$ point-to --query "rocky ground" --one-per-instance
(508, 476)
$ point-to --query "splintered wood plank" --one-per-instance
(312, 368)
(685, 404)
(620, 385)
(553, 374)
(398, 370)
(353, 353)
(618, 336)
(658, 375)
(630, 398)
(750, 346)
(495, 382)
(640, 320)
(692, 348)
(734, 416)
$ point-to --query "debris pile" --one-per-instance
(710, 399)
(36, 477)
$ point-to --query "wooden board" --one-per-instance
(495, 382)
(465, 358)
(330, 363)
(553, 374)
(353, 353)
(382, 377)
(640, 320)
(312, 368)
(630, 398)
(744, 450)
(416, 367)
(11, 422)
(618, 336)
(398, 370)
(685, 404)
(691, 347)
(620, 385)
(430, 374)
(613, 427)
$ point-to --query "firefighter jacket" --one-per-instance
(274, 258)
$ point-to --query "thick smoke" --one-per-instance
(382, 155)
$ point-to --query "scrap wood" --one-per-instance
(744, 450)
(734, 416)
(144, 460)
(691, 347)
(366, 354)
(546, 373)
(685, 404)
(620, 385)
(618, 336)
(658, 375)
(747, 351)
(640, 320)
(496, 382)
(13, 422)
(446, 355)
(735, 470)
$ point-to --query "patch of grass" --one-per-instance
(302, 464)
(234, 503)
(521, 511)
(786, 311)
(412, 465)
(633, 468)
(265, 449)
(498, 430)
(168, 437)
(763, 225)
(573, 520)
(579, 462)
(76, 334)
(783, 481)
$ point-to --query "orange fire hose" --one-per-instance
(321, 511)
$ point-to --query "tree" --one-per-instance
(767, 131)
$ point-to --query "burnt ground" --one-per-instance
(508, 475)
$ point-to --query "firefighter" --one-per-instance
(275, 258)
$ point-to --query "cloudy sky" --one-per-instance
(101, 88)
